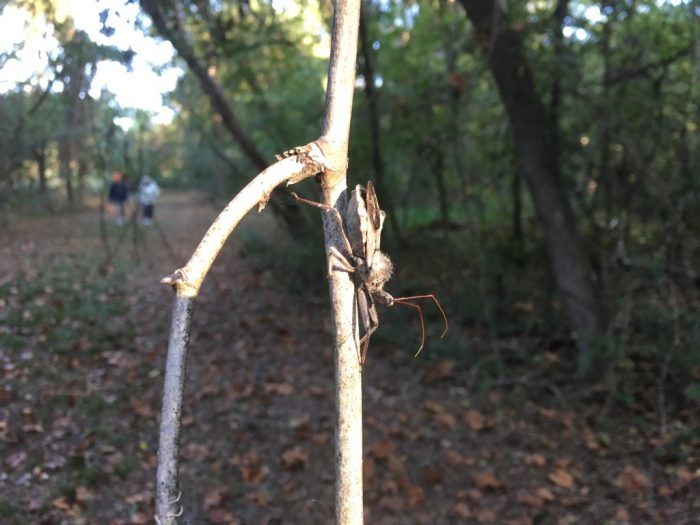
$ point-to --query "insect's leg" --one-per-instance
(422, 323)
(369, 318)
(334, 212)
(340, 258)
(428, 296)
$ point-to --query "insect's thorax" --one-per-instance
(379, 272)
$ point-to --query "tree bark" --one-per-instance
(533, 140)
(64, 164)
(283, 208)
(334, 142)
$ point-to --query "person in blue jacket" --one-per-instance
(118, 194)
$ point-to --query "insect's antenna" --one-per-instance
(428, 296)
(401, 300)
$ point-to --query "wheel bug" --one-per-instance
(361, 230)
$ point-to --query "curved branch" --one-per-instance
(187, 281)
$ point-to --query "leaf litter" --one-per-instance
(82, 353)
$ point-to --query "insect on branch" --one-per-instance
(361, 230)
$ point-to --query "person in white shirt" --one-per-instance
(148, 192)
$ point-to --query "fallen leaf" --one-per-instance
(282, 389)
(382, 449)
(445, 419)
(486, 480)
(222, 517)
(528, 498)
(621, 515)
(545, 494)
(60, 504)
(391, 503)
(485, 516)
(254, 473)
(83, 494)
(537, 460)
(415, 496)
(295, 458)
(442, 370)
(632, 481)
(685, 475)
(462, 510)
(453, 458)
(433, 475)
(561, 478)
(214, 497)
(15, 459)
(474, 420)
(142, 408)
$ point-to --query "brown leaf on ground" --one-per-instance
(295, 458)
(621, 515)
(474, 420)
(487, 480)
(684, 475)
(433, 475)
(473, 494)
(391, 503)
(61, 503)
(561, 478)
(15, 459)
(545, 494)
(83, 494)
(632, 480)
(382, 449)
(142, 408)
(282, 389)
(445, 419)
(214, 497)
(453, 458)
(254, 473)
(462, 511)
(196, 452)
(259, 498)
(485, 516)
(442, 370)
(529, 498)
(222, 517)
(415, 496)
(432, 406)
(536, 460)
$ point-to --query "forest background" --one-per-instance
(539, 165)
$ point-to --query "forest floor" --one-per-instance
(82, 348)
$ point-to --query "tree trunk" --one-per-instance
(40, 156)
(533, 136)
(64, 164)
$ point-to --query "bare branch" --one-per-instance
(187, 282)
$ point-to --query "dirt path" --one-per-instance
(82, 353)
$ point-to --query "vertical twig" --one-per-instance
(334, 142)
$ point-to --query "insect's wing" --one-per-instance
(356, 222)
(376, 218)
